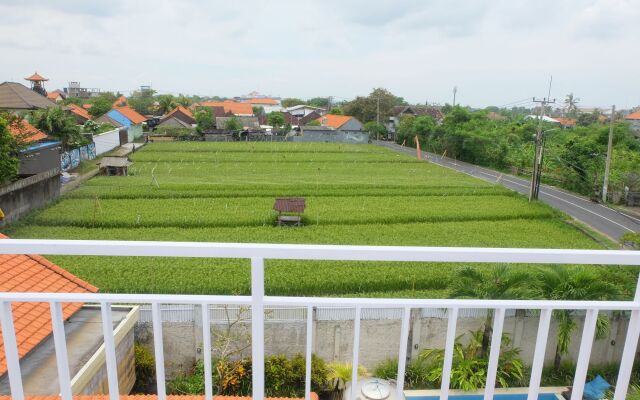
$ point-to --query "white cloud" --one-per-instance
(494, 51)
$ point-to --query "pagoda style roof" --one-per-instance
(36, 78)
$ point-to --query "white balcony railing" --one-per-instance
(257, 253)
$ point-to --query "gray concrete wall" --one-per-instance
(379, 339)
(125, 357)
(21, 197)
(354, 137)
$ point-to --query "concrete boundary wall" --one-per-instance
(25, 195)
(285, 333)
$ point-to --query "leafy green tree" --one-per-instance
(275, 119)
(404, 133)
(586, 119)
(233, 125)
(571, 105)
(292, 101)
(204, 120)
(100, 106)
(366, 108)
(257, 110)
(560, 283)
(166, 103)
(183, 101)
(499, 283)
(142, 101)
(56, 123)
(336, 111)
(72, 100)
(375, 129)
(423, 127)
(318, 102)
(9, 162)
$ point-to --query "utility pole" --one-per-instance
(378, 120)
(455, 90)
(607, 164)
(539, 151)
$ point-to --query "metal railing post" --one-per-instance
(257, 327)
(60, 344)
(309, 355)
(206, 351)
(110, 351)
(11, 351)
(158, 349)
(452, 314)
(538, 353)
(402, 356)
(356, 352)
(496, 343)
(582, 365)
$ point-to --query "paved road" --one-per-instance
(603, 219)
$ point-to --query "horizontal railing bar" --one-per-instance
(124, 298)
(366, 302)
(344, 302)
(316, 252)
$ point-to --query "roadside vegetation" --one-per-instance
(224, 192)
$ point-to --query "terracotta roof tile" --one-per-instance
(81, 111)
(633, 116)
(32, 273)
(333, 120)
(25, 132)
(120, 102)
(229, 106)
(265, 101)
(36, 77)
(131, 114)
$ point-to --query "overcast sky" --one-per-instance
(495, 52)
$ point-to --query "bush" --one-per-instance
(631, 239)
(8, 151)
(284, 377)
(145, 370)
(174, 131)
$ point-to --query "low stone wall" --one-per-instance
(25, 195)
(379, 338)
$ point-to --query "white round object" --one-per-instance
(376, 389)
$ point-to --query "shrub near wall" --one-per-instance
(284, 377)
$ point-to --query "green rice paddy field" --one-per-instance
(355, 194)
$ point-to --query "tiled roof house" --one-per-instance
(32, 273)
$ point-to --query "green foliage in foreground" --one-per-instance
(356, 194)
(284, 377)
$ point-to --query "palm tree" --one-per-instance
(558, 283)
(571, 105)
(496, 284)
(166, 103)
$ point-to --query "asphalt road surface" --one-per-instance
(601, 218)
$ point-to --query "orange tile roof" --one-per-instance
(120, 102)
(53, 95)
(314, 396)
(229, 106)
(36, 77)
(266, 101)
(633, 115)
(565, 121)
(25, 132)
(32, 273)
(333, 120)
(182, 109)
(81, 111)
(131, 114)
